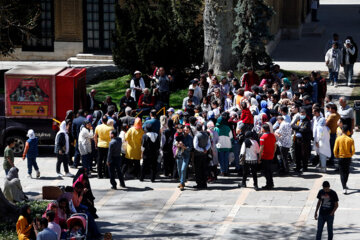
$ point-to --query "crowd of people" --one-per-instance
(269, 123)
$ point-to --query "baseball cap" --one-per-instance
(347, 41)
(171, 110)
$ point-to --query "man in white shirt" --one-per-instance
(197, 90)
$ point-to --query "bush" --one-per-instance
(8, 230)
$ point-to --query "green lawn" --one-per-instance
(116, 89)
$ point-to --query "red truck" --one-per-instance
(37, 97)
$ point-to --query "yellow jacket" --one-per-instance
(133, 137)
(344, 147)
(23, 228)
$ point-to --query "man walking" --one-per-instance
(114, 160)
(77, 123)
(328, 203)
(347, 113)
(266, 155)
(344, 149)
(349, 58)
(102, 140)
(333, 60)
(201, 145)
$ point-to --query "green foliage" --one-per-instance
(176, 98)
(168, 32)
(17, 19)
(252, 33)
(8, 230)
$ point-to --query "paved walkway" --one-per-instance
(161, 211)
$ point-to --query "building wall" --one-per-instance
(68, 39)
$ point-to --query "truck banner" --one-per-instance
(28, 96)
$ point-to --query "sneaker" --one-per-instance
(69, 175)
(323, 170)
(345, 191)
(29, 176)
(336, 85)
(331, 83)
(113, 187)
(59, 175)
(37, 174)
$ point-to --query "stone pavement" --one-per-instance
(161, 211)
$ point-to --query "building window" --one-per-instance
(43, 39)
(99, 23)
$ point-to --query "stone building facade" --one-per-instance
(69, 27)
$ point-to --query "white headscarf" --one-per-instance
(63, 130)
(31, 134)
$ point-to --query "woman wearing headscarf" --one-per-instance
(249, 155)
(133, 150)
(12, 187)
(62, 147)
(224, 145)
(214, 162)
(24, 227)
(70, 118)
(167, 139)
(150, 146)
(31, 152)
(88, 197)
(322, 142)
(53, 206)
(264, 107)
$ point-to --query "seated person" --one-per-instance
(24, 225)
(127, 101)
(78, 194)
(12, 187)
(146, 102)
(76, 230)
(108, 102)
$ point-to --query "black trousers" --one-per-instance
(115, 168)
(201, 168)
(149, 165)
(101, 162)
(131, 166)
(284, 151)
(169, 163)
(165, 98)
(267, 169)
(314, 14)
(64, 158)
(344, 169)
(302, 153)
(77, 154)
(253, 168)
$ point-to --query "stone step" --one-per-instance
(93, 56)
(312, 30)
(76, 61)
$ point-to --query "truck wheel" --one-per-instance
(19, 145)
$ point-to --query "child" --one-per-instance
(9, 155)
(76, 230)
(31, 152)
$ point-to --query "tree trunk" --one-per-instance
(219, 34)
(8, 211)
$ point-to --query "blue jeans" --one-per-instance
(321, 222)
(224, 162)
(86, 161)
(236, 151)
(333, 76)
(349, 71)
(30, 163)
(182, 164)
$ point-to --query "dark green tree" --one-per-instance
(168, 32)
(17, 20)
(252, 33)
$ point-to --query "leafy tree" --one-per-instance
(168, 32)
(17, 20)
(252, 33)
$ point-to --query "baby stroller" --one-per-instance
(77, 227)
